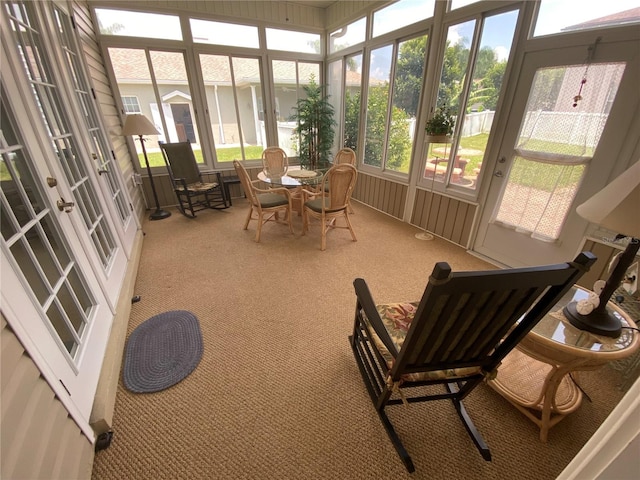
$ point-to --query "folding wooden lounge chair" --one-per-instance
(456, 336)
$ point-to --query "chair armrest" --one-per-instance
(181, 181)
(270, 190)
(365, 300)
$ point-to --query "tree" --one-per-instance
(315, 129)
(409, 70)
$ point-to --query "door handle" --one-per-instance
(65, 207)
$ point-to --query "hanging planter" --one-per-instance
(438, 138)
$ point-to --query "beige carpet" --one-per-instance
(277, 394)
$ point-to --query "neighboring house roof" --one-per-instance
(621, 18)
(130, 66)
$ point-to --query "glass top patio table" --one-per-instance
(295, 177)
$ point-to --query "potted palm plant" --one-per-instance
(315, 126)
(439, 127)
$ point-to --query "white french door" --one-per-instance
(566, 129)
(63, 258)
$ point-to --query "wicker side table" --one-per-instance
(534, 377)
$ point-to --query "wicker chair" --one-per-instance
(275, 162)
(328, 204)
(345, 155)
(193, 194)
(267, 204)
(456, 335)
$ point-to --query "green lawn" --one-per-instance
(224, 155)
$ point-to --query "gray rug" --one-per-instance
(162, 351)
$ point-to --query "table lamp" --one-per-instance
(615, 208)
(138, 124)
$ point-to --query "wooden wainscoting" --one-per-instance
(446, 217)
(382, 194)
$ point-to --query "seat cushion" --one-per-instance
(198, 187)
(316, 205)
(397, 318)
(268, 200)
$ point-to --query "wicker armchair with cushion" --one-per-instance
(267, 204)
(329, 204)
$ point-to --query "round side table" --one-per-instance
(534, 377)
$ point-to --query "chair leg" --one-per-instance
(289, 221)
(356, 341)
(353, 235)
(259, 228)
(246, 224)
(468, 424)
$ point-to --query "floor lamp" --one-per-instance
(138, 124)
(615, 208)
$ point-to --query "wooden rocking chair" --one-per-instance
(456, 336)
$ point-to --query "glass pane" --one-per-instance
(565, 16)
(101, 149)
(462, 3)
(285, 81)
(62, 328)
(538, 196)
(292, 41)
(454, 70)
(553, 125)
(557, 138)
(406, 95)
(334, 90)
(489, 68)
(401, 14)
(218, 33)
(138, 24)
(351, 34)
(377, 105)
(352, 100)
(248, 90)
(53, 109)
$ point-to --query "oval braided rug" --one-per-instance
(162, 351)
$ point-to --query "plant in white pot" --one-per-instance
(439, 127)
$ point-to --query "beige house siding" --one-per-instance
(38, 437)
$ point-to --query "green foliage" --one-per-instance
(441, 123)
(315, 129)
(409, 70)
(351, 119)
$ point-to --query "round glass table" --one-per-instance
(296, 178)
(534, 377)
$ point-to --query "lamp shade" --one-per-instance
(616, 206)
(138, 124)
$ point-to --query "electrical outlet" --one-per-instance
(630, 282)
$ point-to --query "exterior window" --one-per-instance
(352, 100)
(138, 24)
(174, 117)
(292, 41)
(562, 16)
(289, 77)
(460, 163)
(131, 104)
(218, 33)
(401, 14)
(392, 103)
(233, 90)
(352, 34)
(334, 90)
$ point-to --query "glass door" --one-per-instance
(553, 157)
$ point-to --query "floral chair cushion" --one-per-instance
(197, 187)
(397, 318)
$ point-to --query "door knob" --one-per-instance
(65, 207)
(498, 174)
